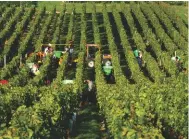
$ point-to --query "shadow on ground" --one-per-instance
(88, 124)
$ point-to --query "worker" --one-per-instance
(90, 84)
(46, 51)
(61, 60)
(84, 96)
(176, 58)
(138, 55)
(70, 58)
(140, 59)
(70, 43)
(3, 82)
(178, 62)
(50, 50)
(136, 52)
(107, 68)
(74, 116)
(103, 126)
(90, 91)
(40, 56)
(66, 49)
(71, 50)
(35, 69)
(74, 62)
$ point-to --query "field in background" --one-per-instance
(181, 10)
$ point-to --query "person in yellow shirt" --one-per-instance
(40, 56)
(60, 61)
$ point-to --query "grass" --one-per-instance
(88, 124)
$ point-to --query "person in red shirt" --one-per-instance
(3, 82)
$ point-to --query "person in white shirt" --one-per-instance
(90, 85)
(74, 117)
(71, 50)
(46, 51)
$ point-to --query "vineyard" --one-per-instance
(148, 101)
